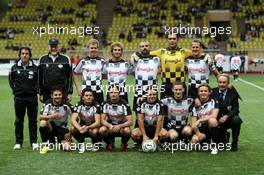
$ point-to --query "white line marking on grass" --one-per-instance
(252, 84)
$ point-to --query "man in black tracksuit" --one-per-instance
(228, 116)
(55, 71)
(23, 79)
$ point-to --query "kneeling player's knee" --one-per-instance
(94, 132)
(195, 139)
(66, 146)
(43, 123)
(187, 131)
(103, 130)
(174, 135)
(212, 122)
(127, 131)
(135, 135)
(163, 135)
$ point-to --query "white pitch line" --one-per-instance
(252, 84)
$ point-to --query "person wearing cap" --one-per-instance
(55, 70)
(23, 80)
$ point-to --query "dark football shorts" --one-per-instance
(58, 131)
(178, 129)
(204, 128)
(150, 131)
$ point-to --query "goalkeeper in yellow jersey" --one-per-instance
(172, 64)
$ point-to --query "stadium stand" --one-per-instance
(132, 21)
(26, 14)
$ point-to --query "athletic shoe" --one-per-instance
(44, 150)
(17, 146)
(81, 148)
(34, 146)
(214, 151)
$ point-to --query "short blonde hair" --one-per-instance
(92, 42)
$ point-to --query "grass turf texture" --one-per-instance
(248, 160)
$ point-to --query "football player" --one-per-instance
(219, 60)
(235, 63)
(204, 119)
(150, 119)
(53, 121)
(91, 69)
(117, 70)
(172, 64)
(199, 66)
(177, 110)
(116, 120)
(89, 114)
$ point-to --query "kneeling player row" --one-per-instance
(161, 121)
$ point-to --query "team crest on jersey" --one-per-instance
(60, 66)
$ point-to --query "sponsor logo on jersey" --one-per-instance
(200, 70)
(111, 73)
(178, 110)
(96, 70)
(145, 69)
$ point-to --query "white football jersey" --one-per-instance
(235, 63)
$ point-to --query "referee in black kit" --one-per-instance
(23, 79)
(55, 71)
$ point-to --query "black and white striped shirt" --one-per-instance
(150, 112)
(116, 112)
(63, 109)
(87, 112)
(205, 109)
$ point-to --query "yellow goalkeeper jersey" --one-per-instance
(172, 64)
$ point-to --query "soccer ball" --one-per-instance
(149, 146)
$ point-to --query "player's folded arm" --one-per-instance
(128, 123)
(74, 121)
(97, 122)
(194, 124)
(104, 121)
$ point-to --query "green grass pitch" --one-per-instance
(248, 160)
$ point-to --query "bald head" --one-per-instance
(144, 47)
